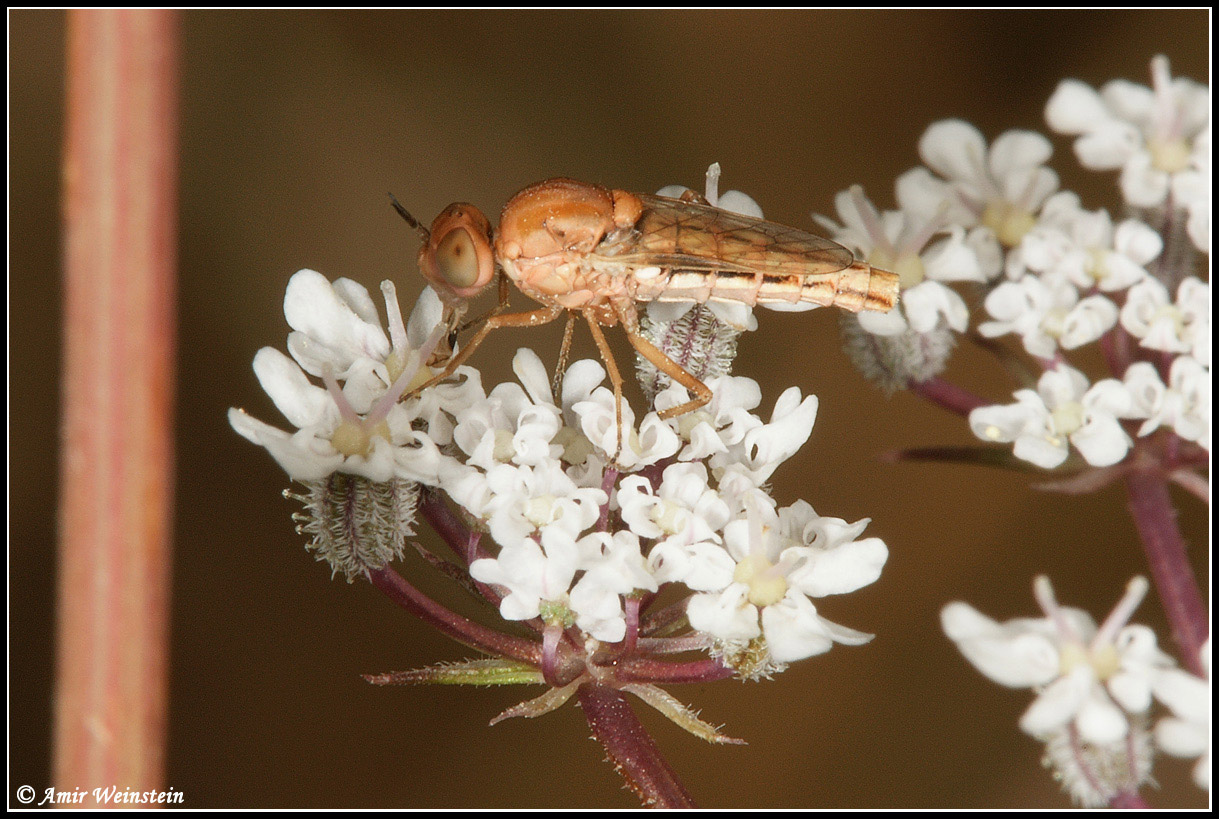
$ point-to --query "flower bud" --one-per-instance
(698, 340)
(357, 525)
(893, 362)
(1094, 774)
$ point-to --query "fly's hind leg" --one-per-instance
(700, 391)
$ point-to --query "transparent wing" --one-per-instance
(692, 237)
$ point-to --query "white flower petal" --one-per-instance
(926, 302)
(1074, 108)
(1100, 721)
(953, 148)
(1058, 703)
(1015, 151)
(1011, 654)
(793, 630)
(843, 569)
(727, 615)
(302, 403)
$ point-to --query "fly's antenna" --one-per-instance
(410, 220)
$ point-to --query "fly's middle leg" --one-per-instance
(702, 393)
(615, 378)
(556, 383)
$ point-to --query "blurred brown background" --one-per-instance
(295, 125)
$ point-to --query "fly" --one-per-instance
(592, 251)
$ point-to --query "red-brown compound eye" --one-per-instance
(457, 259)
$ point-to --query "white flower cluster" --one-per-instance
(1055, 274)
(575, 532)
(1095, 687)
(1159, 137)
(684, 503)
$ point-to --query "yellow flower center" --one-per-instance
(540, 510)
(1068, 417)
(503, 449)
(1171, 313)
(667, 516)
(1104, 660)
(766, 586)
(576, 446)
(1009, 221)
(354, 438)
(1169, 155)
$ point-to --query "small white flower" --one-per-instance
(1184, 405)
(1001, 188)
(635, 448)
(613, 566)
(781, 561)
(684, 515)
(361, 427)
(1159, 324)
(1084, 248)
(1152, 134)
(1188, 732)
(1046, 314)
(910, 244)
(512, 424)
(525, 500)
(1088, 677)
(1063, 409)
(720, 423)
(765, 446)
(532, 572)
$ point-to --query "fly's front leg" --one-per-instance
(630, 323)
(556, 383)
(615, 378)
(494, 311)
(533, 318)
(455, 313)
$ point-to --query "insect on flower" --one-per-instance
(589, 250)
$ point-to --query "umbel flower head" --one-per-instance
(622, 549)
(1094, 683)
(356, 450)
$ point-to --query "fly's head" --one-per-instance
(456, 256)
(456, 259)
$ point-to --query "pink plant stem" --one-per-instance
(1128, 800)
(645, 669)
(446, 524)
(631, 749)
(459, 628)
(1156, 521)
(948, 395)
(120, 242)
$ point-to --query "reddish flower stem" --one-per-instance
(631, 749)
(459, 628)
(1128, 800)
(446, 524)
(1156, 520)
(644, 669)
(116, 492)
(948, 395)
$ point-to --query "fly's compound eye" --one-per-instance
(458, 257)
(456, 260)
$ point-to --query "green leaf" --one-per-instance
(469, 672)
